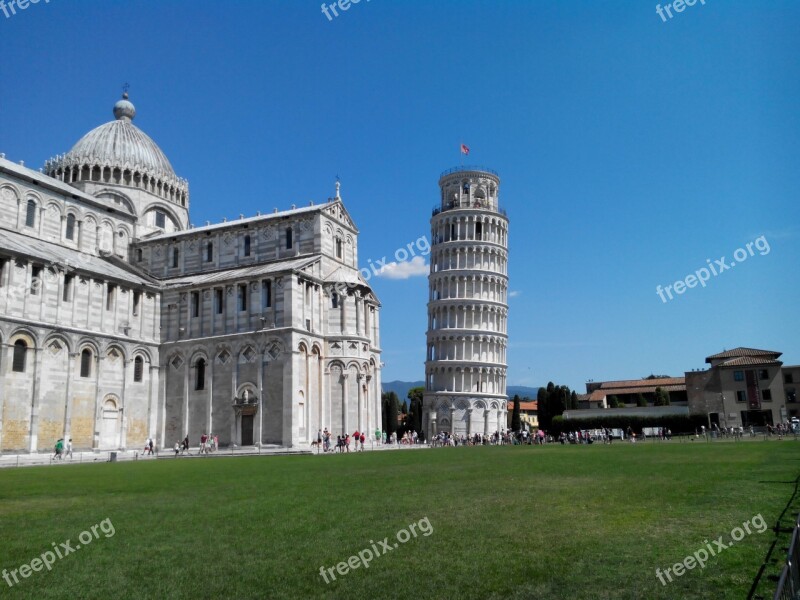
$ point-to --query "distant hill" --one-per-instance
(401, 389)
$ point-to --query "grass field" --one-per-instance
(510, 522)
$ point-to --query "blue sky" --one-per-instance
(630, 149)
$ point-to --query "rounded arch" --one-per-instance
(167, 210)
(87, 343)
(115, 347)
(24, 334)
(144, 352)
(52, 204)
(56, 337)
(118, 198)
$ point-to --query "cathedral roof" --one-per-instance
(63, 258)
(120, 144)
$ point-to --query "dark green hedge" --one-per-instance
(677, 423)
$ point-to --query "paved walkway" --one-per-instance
(46, 459)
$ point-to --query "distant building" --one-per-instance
(744, 386)
(528, 414)
(627, 391)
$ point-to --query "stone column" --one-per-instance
(35, 399)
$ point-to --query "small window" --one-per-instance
(289, 240)
(218, 300)
(139, 255)
(763, 374)
(200, 375)
(738, 375)
(338, 248)
(20, 353)
(242, 296)
(766, 395)
(334, 300)
(68, 282)
(70, 232)
(247, 245)
(138, 368)
(195, 304)
(788, 378)
(110, 291)
(161, 219)
(36, 280)
(791, 395)
(176, 257)
(266, 294)
(30, 214)
(210, 252)
(86, 363)
(137, 300)
(741, 396)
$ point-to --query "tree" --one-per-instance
(516, 421)
(662, 397)
(641, 400)
(390, 407)
(414, 420)
(614, 402)
(404, 408)
(573, 400)
(392, 411)
(651, 376)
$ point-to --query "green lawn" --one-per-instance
(551, 522)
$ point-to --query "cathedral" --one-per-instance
(120, 321)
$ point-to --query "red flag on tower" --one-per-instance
(465, 149)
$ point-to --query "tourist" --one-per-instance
(69, 449)
(203, 440)
(59, 447)
(177, 448)
(186, 446)
(362, 439)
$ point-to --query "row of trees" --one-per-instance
(410, 410)
(553, 401)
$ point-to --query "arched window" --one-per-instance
(289, 240)
(70, 233)
(138, 368)
(20, 352)
(176, 257)
(200, 375)
(86, 363)
(247, 245)
(338, 248)
(30, 215)
(334, 300)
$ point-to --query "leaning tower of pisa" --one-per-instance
(467, 339)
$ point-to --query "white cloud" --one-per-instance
(415, 267)
(514, 294)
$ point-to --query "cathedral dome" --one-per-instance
(119, 152)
